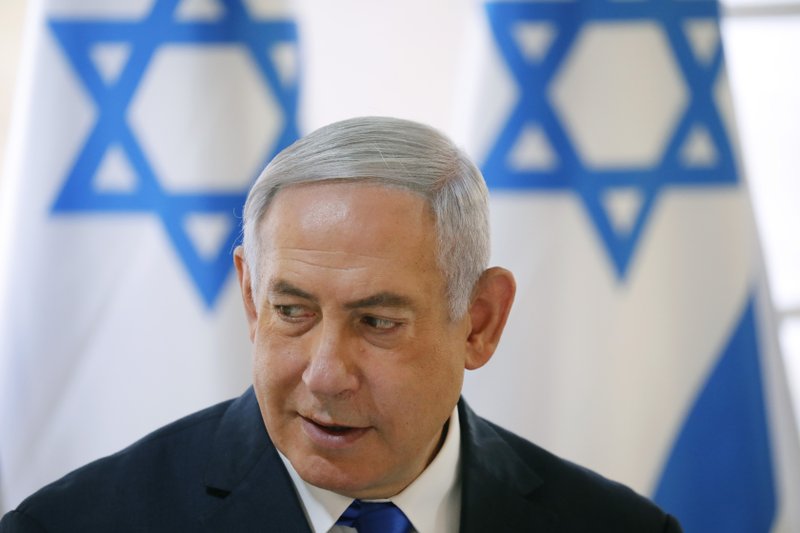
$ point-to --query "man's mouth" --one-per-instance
(331, 435)
(332, 428)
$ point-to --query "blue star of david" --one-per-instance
(571, 172)
(160, 27)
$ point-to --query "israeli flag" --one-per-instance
(640, 344)
(141, 127)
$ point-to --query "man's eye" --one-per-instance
(291, 311)
(380, 323)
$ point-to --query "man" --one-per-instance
(364, 278)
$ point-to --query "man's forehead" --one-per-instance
(332, 206)
(371, 215)
(371, 239)
(329, 203)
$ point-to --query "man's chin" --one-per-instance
(354, 481)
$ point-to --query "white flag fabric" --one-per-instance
(640, 343)
(141, 127)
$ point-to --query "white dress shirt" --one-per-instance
(432, 502)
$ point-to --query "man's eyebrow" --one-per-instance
(284, 288)
(381, 299)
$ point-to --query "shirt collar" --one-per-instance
(432, 502)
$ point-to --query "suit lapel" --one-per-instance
(498, 488)
(247, 485)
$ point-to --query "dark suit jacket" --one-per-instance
(217, 470)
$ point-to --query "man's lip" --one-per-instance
(331, 435)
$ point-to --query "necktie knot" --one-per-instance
(375, 517)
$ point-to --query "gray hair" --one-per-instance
(394, 153)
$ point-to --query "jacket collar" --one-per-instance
(245, 478)
(498, 487)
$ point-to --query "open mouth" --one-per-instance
(331, 434)
(336, 430)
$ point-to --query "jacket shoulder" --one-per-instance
(576, 498)
(158, 479)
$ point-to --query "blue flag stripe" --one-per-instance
(721, 461)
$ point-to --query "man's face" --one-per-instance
(357, 363)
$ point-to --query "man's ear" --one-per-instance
(245, 284)
(488, 313)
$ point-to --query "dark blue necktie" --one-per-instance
(375, 517)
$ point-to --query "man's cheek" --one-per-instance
(282, 362)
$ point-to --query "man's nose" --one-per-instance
(331, 369)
